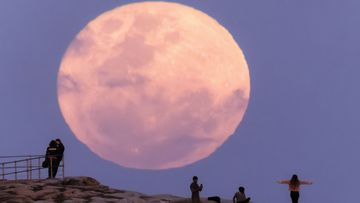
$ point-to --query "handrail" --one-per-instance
(33, 169)
(19, 156)
(22, 160)
(23, 171)
(25, 165)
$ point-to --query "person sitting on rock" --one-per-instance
(240, 196)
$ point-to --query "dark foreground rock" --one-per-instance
(75, 190)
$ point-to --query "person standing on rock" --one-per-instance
(294, 187)
(60, 149)
(195, 190)
(51, 159)
(240, 196)
(59, 154)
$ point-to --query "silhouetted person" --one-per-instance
(51, 158)
(240, 197)
(60, 153)
(60, 149)
(195, 190)
(294, 187)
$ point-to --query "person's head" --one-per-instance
(241, 189)
(195, 178)
(58, 141)
(294, 180)
(52, 143)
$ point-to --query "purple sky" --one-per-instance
(304, 68)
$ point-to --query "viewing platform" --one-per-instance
(26, 167)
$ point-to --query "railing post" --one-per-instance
(51, 168)
(63, 166)
(30, 172)
(27, 169)
(15, 170)
(3, 171)
(39, 167)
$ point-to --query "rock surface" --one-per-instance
(75, 190)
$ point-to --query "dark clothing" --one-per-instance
(245, 201)
(294, 196)
(240, 197)
(55, 166)
(54, 155)
(52, 159)
(60, 151)
(195, 192)
(215, 199)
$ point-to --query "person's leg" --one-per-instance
(55, 171)
(294, 196)
(49, 172)
(195, 198)
(55, 167)
(297, 197)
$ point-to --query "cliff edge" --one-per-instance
(75, 190)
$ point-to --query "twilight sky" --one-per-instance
(301, 118)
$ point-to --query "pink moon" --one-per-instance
(153, 85)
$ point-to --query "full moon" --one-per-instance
(153, 85)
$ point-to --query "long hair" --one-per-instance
(294, 181)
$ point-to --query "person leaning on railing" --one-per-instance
(51, 159)
(60, 150)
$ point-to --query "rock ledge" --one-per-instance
(74, 190)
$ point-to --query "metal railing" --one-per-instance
(26, 167)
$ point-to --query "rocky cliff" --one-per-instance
(75, 190)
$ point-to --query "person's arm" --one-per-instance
(234, 198)
(62, 148)
(195, 188)
(283, 182)
(306, 182)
